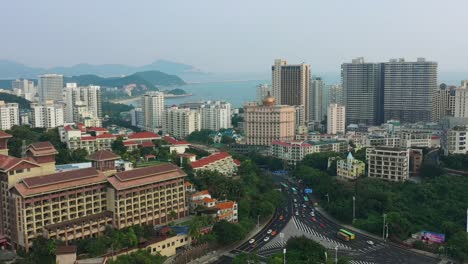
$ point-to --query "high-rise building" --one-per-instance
(336, 95)
(336, 119)
(137, 117)
(443, 102)
(455, 140)
(82, 102)
(461, 100)
(47, 114)
(316, 99)
(179, 123)
(50, 87)
(291, 84)
(408, 90)
(215, 115)
(363, 92)
(268, 122)
(262, 91)
(152, 104)
(25, 88)
(9, 115)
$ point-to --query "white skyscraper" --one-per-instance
(25, 88)
(152, 105)
(215, 115)
(50, 87)
(179, 123)
(47, 114)
(336, 119)
(316, 99)
(461, 100)
(137, 117)
(87, 98)
(262, 91)
(9, 115)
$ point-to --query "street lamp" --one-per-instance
(336, 254)
(328, 197)
(354, 208)
(383, 231)
(284, 255)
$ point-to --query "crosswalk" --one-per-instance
(273, 245)
(360, 262)
(305, 228)
(372, 248)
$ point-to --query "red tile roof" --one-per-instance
(147, 144)
(8, 162)
(103, 155)
(150, 156)
(225, 205)
(42, 149)
(97, 129)
(106, 135)
(60, 177)
(237, 162)
(204, 192)
(5, 135)
(210, 159)
(145, 172)
(130, 143)
(144, 135)
(81, 127)
(174, 141)
(208, 200)
(88, 138)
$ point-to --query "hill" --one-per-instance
(13, 70)
(10, 98)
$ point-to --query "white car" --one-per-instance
(312, 213)
(295, 200)
(269, 231)
(297, 213)
(251, 241)
(370, 242)
(304, 205)
(266, 239)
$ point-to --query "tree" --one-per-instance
(458, 245)
(227, 233)
(243, 258)
(173, 214)
(139, 257)
(118, 146)
(202, 136)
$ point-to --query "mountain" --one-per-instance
(13, 70)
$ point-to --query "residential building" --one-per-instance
(300, 120)
(137, 117)
(47, 114)
(152, 104)
(291, 84)
(408, 90)
(316, 100)
(415, 161)
(350, 168)
(92, 140)
(25, 88)
(50, 87)
(336, 95)
(336, 119)
(227, 211)
(363, 92)
(443, 103)
(263, 90)
(455, 140)
(461, 100)
(9, 115)
(391, 141)
(215, 115)
(416, 139)
(82, 102)
(221, 162)
(268, 122)
(179, 123)
(391, 164)
(140, 139)
(179, 146)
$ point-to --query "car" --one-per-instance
(281, 217)
(273, 233)
(370, 242)
(313, 219)
(297, 213)
(321, 225)
(266, 239)
(312, 213)
(303, 215)
(295, 200)
(251, 241)
(269, 231)
(303, 205)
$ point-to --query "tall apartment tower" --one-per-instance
(363, 92)
(179, 123)
(443, 102)
(25, 87)
(336, 119)
(47, 114)
(262, 91)
(77, 97)
(9, 115)
(291, 84)
(152, 105)
(409, 89)
(461, 100)
(268, 122)
(50, 87)
(215, 115)
(316, 99)
(336, 95)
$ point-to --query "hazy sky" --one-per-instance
(239, 35)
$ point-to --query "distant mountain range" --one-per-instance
(13, 70)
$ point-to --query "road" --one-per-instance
(297, 220)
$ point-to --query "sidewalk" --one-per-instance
(324, 213)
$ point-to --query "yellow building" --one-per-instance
(350, 168)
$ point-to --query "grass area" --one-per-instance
(150, 163)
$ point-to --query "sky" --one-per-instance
(234, 36)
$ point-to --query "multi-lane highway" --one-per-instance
(298, 217)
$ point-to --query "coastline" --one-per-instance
(133, 99)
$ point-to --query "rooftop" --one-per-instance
(42, 149)
(210, 159)
(144, 135)
(5, 135)
(102, 155)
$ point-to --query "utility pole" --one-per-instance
(386, 235)
(336, 254)
(284, 255)
(383, 231)
(328, 197)
(326, 257)
(354, 208)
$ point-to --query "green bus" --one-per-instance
(285, 186)
(346, 232)
(306, 199)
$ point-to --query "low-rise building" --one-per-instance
(92, 140)
(386, 163)
(143, 139)
(350, 168)
(227, 210)
(179, 146)
(416, 140)
(377, 140)
(415, 161)
(455, 140)
(221, 162)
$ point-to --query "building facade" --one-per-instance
(152, 105)
(263, 90)
(50, 87)
(268, 122)
(350, 168)
(179, 123)
(455, 140)
(25, 88)
(391, 164)
(82, 102)
(461, 101)
(221, 162)
(9, 115)
(336, 119)
(291, 84)
(47, 114)
(215, 115)
(316, 99)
